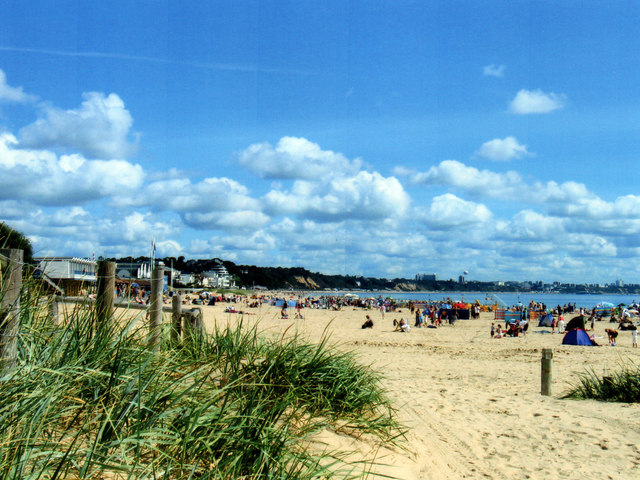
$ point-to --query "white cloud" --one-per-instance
(12, 94)
(243, 220)
(504, 149)
(213, 203)
(98, 129)
(448, 211)
(508, 185)
(494, 70)
(261, 241)
(536, 101)
(480, 182)
(295, 158)
(530, 225)
(365, 196)
(41, 177)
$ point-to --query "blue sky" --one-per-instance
(370, 138)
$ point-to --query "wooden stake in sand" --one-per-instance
(176, 317)
(546, 371)
(105, 294)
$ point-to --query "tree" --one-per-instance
(10, 238)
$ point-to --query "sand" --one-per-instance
(473, 404)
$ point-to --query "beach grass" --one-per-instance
(621, 386)
(89, 399)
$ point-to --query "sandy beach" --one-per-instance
(473, 403)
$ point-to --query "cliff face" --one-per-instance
(406, 287)
(306, 283)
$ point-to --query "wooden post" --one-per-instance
(546, 371)
(176, 317)
(155, 307)
(53, 309)
(106, 286)
(193, 325)
(10, 308)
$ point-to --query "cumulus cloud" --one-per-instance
(12, 94)
(481, 182)
(562, 197)
(365, 196)
(294, 158)
(98, 129)
(448, 211)
(504, 149)
(493, 70)
(41, 177)
(536, 101)
(213, 203)
(530, 225)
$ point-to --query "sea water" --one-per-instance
(507, 299)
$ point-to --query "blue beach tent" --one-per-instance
(577, 336)
(545, 320)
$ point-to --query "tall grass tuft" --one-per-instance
(622, 386)
(88, 399)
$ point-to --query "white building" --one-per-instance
(217, 279)
(71, 274)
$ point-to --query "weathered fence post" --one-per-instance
(193, 325)
(106, 286)
(155, 307)
(176, 317)
(546, 371)
(10, 308)
(53, 309)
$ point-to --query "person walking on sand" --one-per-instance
(634, 338)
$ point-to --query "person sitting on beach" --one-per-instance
(402, 325)
(498, 331)
(368, 323)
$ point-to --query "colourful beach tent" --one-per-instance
(578, 336)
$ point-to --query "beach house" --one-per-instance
(73, 275)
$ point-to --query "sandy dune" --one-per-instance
(473, 403)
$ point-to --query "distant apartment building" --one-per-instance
(426, 277)
(218, 277)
